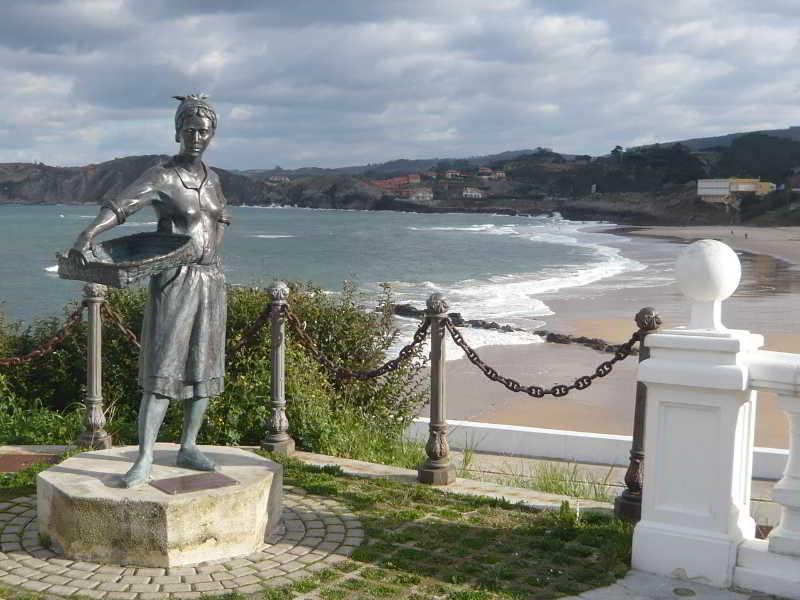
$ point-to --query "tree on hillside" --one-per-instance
(759, 155)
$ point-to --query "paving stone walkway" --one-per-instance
(644, 586)
(317, 533)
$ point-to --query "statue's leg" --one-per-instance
(189, 456)
(152, 410)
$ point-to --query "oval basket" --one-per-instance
(125, 260)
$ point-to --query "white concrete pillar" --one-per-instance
(700, 427)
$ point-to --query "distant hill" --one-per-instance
(393, 168)
(644, 185)
(720, 141)
(36, 183)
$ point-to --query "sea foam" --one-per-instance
(516, 299)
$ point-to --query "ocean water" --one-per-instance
(492, 267)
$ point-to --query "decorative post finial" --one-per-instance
(95, 290)
(647, 319)
(437, 304)
(279, 292)
(708, 272)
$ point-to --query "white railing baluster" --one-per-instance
(785, 538)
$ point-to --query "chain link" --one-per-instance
(249, 335)
(117, 319)
(558, 390)
(51, 344)
(343, 372)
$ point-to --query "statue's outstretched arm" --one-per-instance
(102, 222)
(136, 196)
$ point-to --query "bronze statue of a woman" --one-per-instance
(183, 332)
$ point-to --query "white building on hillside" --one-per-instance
(422, 195)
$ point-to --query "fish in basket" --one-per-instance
(125, 260)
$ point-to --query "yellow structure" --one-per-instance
(760, 188)
(725, 191)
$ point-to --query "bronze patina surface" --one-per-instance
(182, 353)
(193, 483)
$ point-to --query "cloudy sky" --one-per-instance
(340, 82)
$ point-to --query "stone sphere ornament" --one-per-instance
(708, 272)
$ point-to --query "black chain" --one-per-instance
(343, 372)
(117, 319)
(558, 390)
(250, 334)
(51, 344)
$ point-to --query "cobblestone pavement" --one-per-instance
(317, 533)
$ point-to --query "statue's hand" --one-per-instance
(84, 246)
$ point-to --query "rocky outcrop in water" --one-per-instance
(409, 310)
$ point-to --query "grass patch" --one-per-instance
(422, 543)
(564, 479)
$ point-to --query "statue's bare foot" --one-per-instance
(192, 458)
(138, 474)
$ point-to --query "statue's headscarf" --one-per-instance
(194, 104)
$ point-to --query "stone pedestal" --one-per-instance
(86, 517)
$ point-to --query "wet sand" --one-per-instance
(780, 242)
(767, 303)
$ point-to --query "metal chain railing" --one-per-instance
(558, 390)
(49, 345)
(119, 321)
(251, 332)
(343, 372)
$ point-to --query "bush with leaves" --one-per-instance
(346, 418)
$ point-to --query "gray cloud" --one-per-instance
(348, 82)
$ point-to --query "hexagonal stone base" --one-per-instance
(85, 516)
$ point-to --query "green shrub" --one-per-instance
(41, 402)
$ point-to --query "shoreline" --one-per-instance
(607, 406)
(771, 241)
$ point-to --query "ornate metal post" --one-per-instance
(94, 435)
(278, 439)
(628, 505)
(437, 470)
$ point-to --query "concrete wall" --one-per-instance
(574, 446)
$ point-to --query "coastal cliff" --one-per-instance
(36, 183)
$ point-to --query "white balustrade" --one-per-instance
(701, 382)
(774, 565)
(700, 424)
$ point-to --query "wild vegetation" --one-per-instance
(41, 402)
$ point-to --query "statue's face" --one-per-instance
(194, 136)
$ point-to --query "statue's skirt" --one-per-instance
(183, 333)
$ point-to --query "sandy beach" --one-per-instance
(769, 292)
(780, 242)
